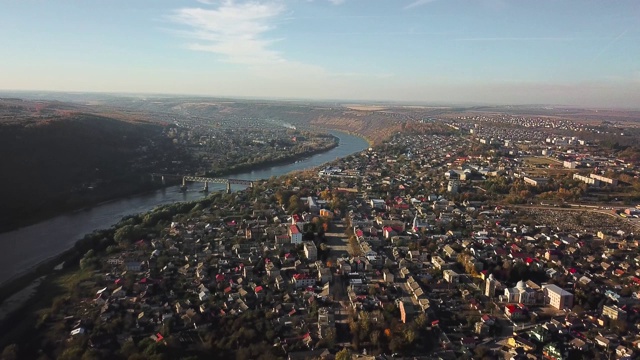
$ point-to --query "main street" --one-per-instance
(337, 239)
(338, 242)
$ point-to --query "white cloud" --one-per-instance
(497, 39)
(418, 3)
(234, 29)
(238, 31)
(337, 2)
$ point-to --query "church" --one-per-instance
(521, 294)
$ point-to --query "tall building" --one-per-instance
(310, 250)
(490, 286)
(453, 186)
(557, 297)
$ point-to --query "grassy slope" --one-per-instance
(46, 162)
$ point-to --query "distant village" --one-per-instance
(234, 146)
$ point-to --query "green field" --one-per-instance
(537, 161)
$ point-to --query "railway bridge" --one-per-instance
(202, 179)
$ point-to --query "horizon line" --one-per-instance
(344, 100)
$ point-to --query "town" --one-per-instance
(450, 240)
(320, 180)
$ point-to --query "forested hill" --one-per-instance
(61, 162)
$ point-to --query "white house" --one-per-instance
(302, 280)
(295, 234)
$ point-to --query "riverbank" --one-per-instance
(25, 301)
(367, 139)
(31, 311)
(23, 298)
(125, 189)
(283, 160)
(17, 300)
(35, 250)
(81, 204)
(72, 255)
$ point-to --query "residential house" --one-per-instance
(295, 235)
(613, 312)
(310, 250)
(302, 280)
(451, 276)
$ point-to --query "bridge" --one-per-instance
(205, 180)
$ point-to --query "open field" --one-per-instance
(365, 107)
(537, 172)
(579, 219)
(540, 160)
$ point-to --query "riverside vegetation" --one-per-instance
(63, 158)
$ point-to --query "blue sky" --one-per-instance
(574, 52)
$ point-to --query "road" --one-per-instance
(337, 240)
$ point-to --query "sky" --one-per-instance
(569, 52)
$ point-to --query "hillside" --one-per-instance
(61, 162)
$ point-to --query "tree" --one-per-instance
(294, 204)
(409, 336)
(243, 353)
(481, 351)
(343, 354)
(137, 357)
(626, 291)
(148, 346)
(354, 326)
(89, 260)
(396, 344)
(620, 326)
(421, 320)
(152, 218)
(281, 197)
(10, 352)
(128, 348)
(72, 353)
(330, 337)
(125, 234)
(91, 354)
(325, 195)
(375, 337)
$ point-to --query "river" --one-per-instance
(24, 248)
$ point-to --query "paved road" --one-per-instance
(337, 240)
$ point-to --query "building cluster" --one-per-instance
(522, 136)
(473, 240)
(232, 145)
(523, 121)
(484, 275)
